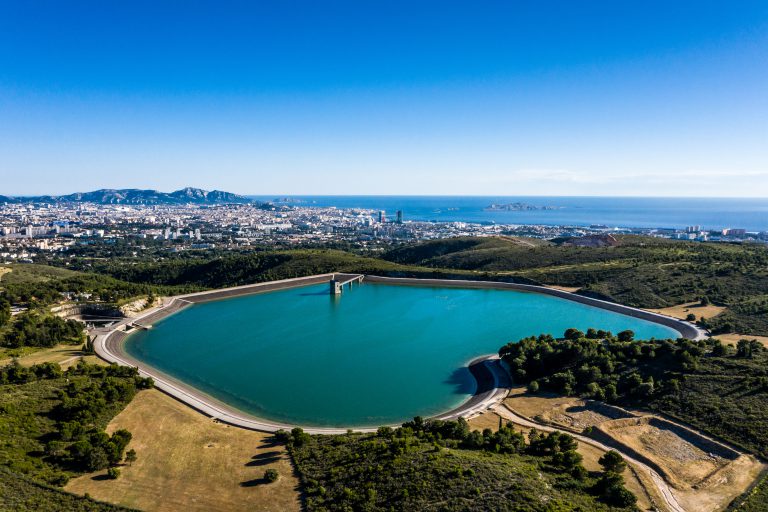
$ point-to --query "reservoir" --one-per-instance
(378, 354)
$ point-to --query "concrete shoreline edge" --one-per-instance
(492, 380)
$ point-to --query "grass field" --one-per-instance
(681, 311)
(188, 462)
(64, 355)
(733, 339)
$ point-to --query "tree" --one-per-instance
(690, 317)
(113, 473)
(573, 334)
(130, 456)
(612, 462)
(748, 348)
(271, 475)
(299, 437)
(97, 459)
(718, 349)
(627, 335)
(5, 312)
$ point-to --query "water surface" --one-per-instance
(379, 354)
(628, 212)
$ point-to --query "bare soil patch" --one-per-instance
(705, 475)
(187, 461)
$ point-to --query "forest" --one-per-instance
(431, 463)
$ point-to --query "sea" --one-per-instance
(750, 214)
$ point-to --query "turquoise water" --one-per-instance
(379, 354)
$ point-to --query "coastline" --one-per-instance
(492, 380)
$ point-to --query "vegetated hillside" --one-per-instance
(52, 422)
(719, 389)
(52, 428)
(755, 501)
(436, 465)
(238, 269)
(43, 285)
(22, 494)
(640, 271)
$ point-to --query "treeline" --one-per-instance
(95, 287)
(37, 330)
(85, 398)
(238, 269)
(400, 468)
(721, 389)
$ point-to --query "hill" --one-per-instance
(137, 196)
(638, 271)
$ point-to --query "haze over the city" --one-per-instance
(503, 98)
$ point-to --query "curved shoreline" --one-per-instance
(492, 380)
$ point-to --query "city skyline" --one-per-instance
(355, 99)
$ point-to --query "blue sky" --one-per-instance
(539, 97)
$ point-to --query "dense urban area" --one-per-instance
(31, 228)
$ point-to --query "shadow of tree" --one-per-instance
(263, 461)
(462, 381)
(253, 483)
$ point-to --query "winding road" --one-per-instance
(666, 492)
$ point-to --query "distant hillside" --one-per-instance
(137, 196)
(634, 270)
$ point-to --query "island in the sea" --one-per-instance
(517, 207)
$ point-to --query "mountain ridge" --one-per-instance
(136, 196)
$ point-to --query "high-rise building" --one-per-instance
(399, 216)
(382, 216)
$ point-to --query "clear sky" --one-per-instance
(387, 97)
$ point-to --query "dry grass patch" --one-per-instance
(188, 462)
(734, 338)
(4, 270)
(681, 311)
(570, 289)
